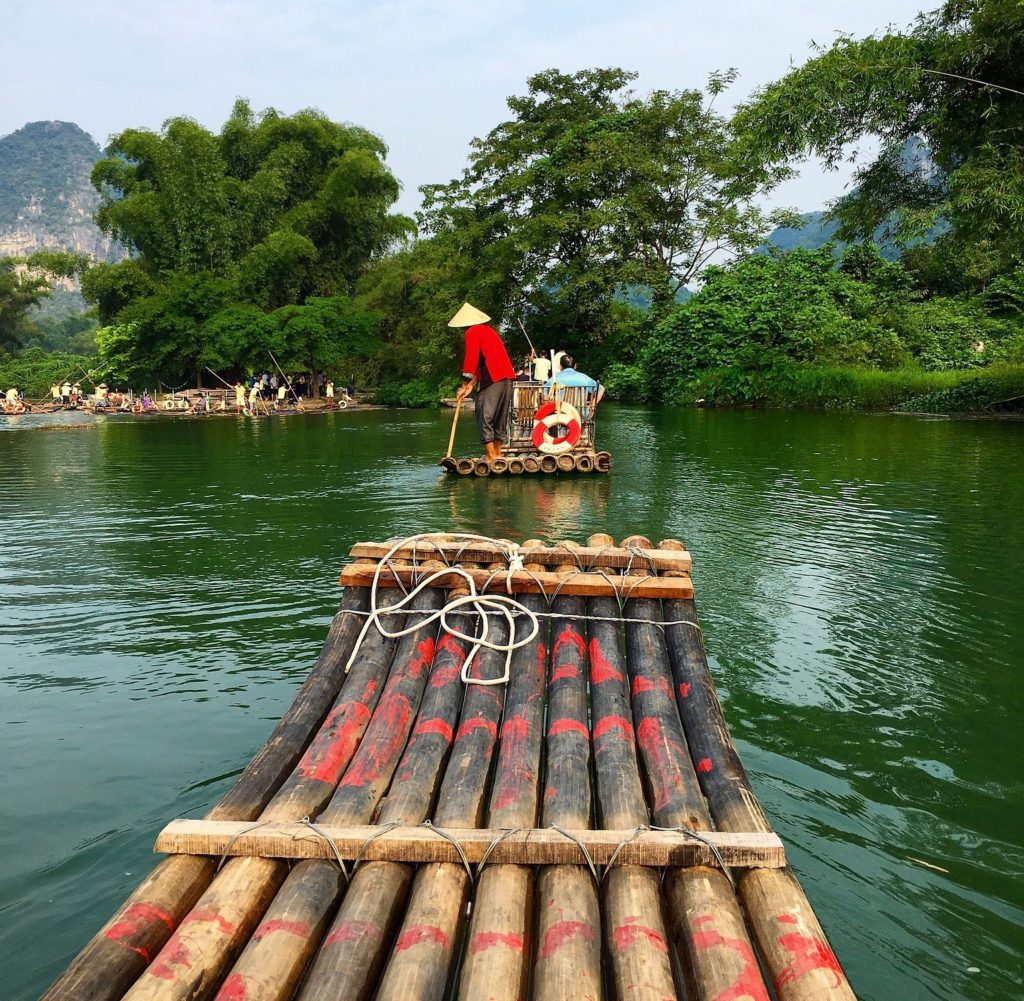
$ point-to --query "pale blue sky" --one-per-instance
(426, 76)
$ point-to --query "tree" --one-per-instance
(589, 189)
(271, 212)
(24, 282)
(956, 79)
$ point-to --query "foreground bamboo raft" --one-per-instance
(582, 830)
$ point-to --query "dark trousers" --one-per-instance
(492, 406)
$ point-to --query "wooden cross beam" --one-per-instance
(422, 844)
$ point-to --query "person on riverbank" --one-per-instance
(329, 391)
(254, 395)
(65, 393)
(239, 396)
(486, 362)
(55, 392)
(12, 399)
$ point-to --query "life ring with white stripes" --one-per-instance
(136, 407)
(551, 415)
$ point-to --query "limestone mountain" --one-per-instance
(46, 199)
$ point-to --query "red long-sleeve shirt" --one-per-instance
(487, 355)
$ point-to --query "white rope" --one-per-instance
(477, 603)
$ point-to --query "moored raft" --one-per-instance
(557, 813)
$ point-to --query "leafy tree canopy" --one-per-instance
(26, 281)
(588, 189)
(225, 229)
(956, 79)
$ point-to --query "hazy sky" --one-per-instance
(426, 76)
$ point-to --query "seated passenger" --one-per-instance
(569, 377)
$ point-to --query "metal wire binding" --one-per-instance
(337, 854)
(390, 826)
(490, 848)
(582, 848)
(615, 854)
(448, 837)
(703, 840)
(235, 837)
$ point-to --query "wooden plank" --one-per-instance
(609, 557)
(585, 584)
(419, 844)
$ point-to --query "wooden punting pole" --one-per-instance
(495, 963)
(716, 954)
(635, 938)
(567, 962)
(352, 954)
(198, 955)
(119, 953)
(423, 960)
(800, 962)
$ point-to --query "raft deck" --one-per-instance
(583, 829)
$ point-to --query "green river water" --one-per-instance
(165, 585)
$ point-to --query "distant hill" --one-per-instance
(816, 229)
(46, 200)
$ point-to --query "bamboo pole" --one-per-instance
(278, 953)
(495, 962)
(711, 940)
(427, 946)
(499, 466)
(565, 462)
(350, 959)
(799, 959)
(198, 955)
(531, 464)
(515, 466)
(465, 467)
(118, 954)
(548, 464)
(567, 963)
(584, 463)
(635, 937)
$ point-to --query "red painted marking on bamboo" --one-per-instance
(787, 919)
(569, 637)
(378, 751)
(611, 724)
(300, 928)
(564, 671)
(423, 658)
(442, 676)
(748, 984)
(628, 934)
(550, 793)
(662, 757)
(809, 955)
(659, 684)
(563, 932)
(512, 774)
(488, 939)
(334, 745)
(134, 922)
(419, 934)
(477, 723)
(450, 645)
(600, 669)
(371, 687)
(173, 957)
(540, 670)
(352, 931)
(705, 765)
(209, 916)
(233, 989)
(684, 689)
(435, 725)
(568, 726)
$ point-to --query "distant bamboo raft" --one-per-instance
(583, 830)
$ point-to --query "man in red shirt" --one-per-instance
(486, 362)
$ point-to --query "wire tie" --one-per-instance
(582, 848)
(448, 837)
(490, 848)
(235, 837)
(376, 834)
(337, 854)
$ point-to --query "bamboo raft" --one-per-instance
(582, 830)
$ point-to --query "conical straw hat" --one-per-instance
(467, 316)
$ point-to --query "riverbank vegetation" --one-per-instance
(629, 225)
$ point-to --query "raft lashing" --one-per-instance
(543, 436)
(584, 829)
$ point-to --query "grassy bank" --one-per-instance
(852, 388)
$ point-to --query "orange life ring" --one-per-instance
(551, 415)
(136, 408)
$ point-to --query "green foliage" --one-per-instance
(954, 80)
(588, 189)
(24, 283)
(34, 370)
(629, 383)
(243, 241)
